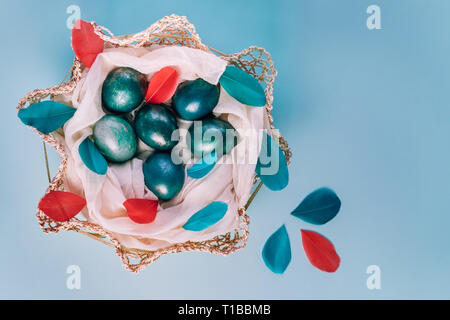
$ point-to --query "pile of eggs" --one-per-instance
(116, 136)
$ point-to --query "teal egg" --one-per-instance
(115, 138)
(163, 177)
(123, 90)
(195, 99)
(210, 135)
(154, 125)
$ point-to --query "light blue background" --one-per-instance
(365, 112)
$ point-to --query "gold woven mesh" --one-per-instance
(170, 30)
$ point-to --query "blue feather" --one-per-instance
(203, 166)
(243, 87)
(46, 116)
(277, 251)
(206, 217)
(319, 207)
(92, 158)
(273, 171)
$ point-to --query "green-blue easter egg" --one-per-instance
(115, 138)
(211, 135)
(163, 177)
(195, 99)
(123, 90)
(154, 125)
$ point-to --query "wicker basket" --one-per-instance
(171, 30)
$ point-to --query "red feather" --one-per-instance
(320, 251)
(141, 210)
(162, 85)
(86, 43)
(61, 206)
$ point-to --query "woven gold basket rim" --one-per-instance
(170, 30)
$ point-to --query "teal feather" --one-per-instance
(319, 207)
(277, 251)
(203, 166)
(206, 217)
(92, 158)
(243, 87)
(46, 116)
(274, 172)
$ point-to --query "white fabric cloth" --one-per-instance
(105, 194)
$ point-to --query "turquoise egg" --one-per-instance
(163, 177)
(115, 138)
(195, 99)
(123, 90)
(154, 125)
(210, 135)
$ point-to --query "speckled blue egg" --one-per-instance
(115, 138)
(154, 125)
(195, 99)
(163, 177)
(123, 90)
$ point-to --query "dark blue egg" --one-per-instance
(154, 125)
(163, 177)
(115, 138)
(211, 135)
(195, 99)
(123, 90)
